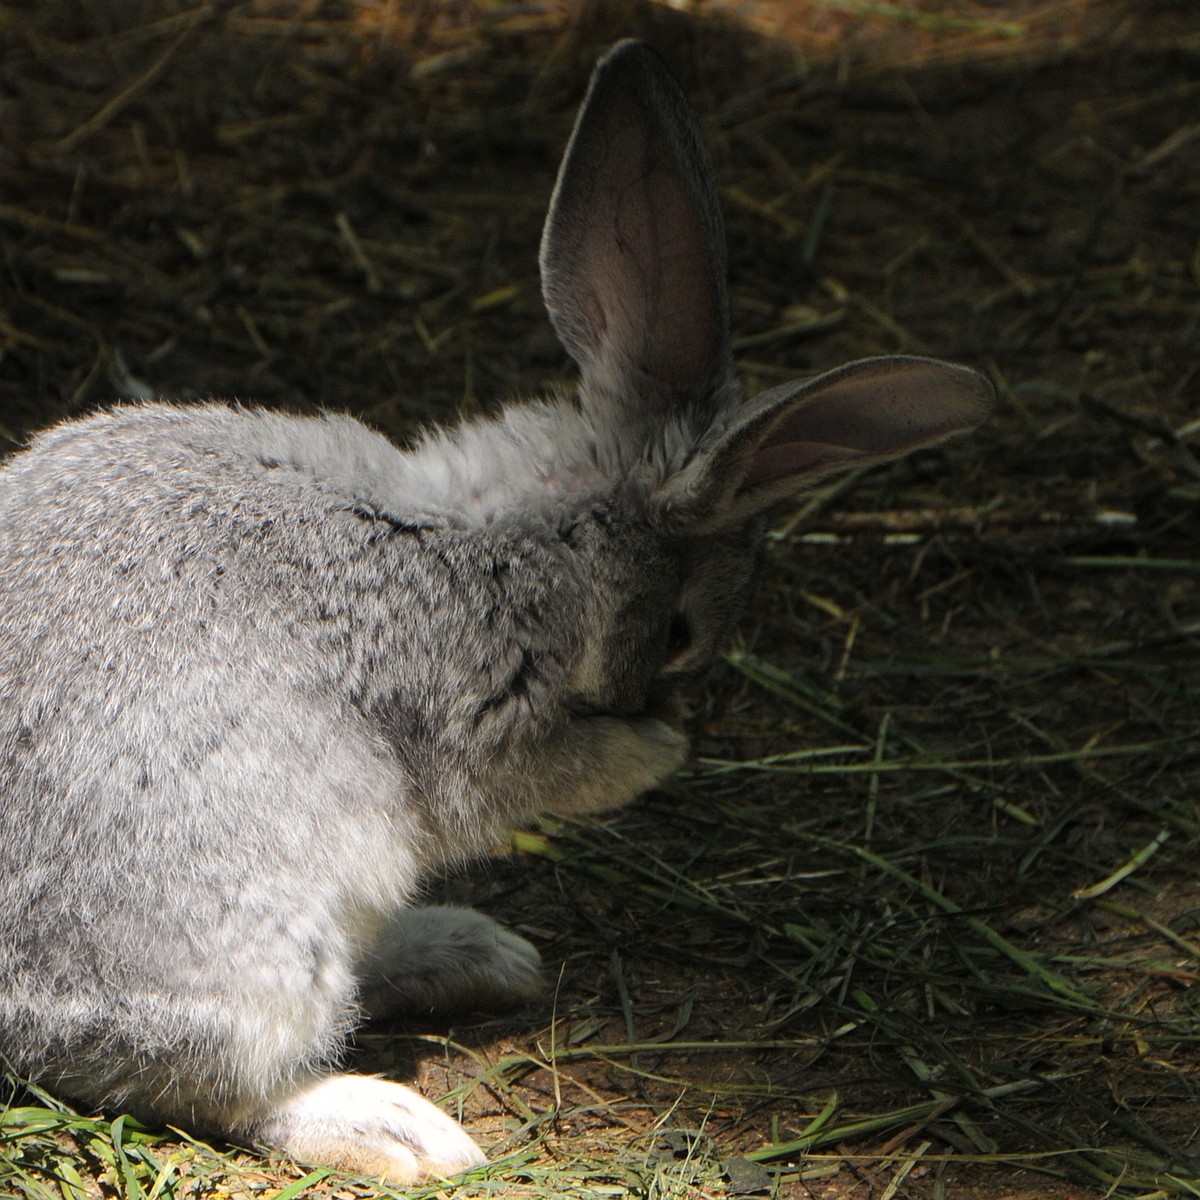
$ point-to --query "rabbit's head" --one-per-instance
(651, 484)
(683, 470)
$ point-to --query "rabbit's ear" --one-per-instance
(792, 435)
(633, 251)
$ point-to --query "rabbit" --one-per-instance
(264, 674)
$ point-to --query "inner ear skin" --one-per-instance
(633, 250)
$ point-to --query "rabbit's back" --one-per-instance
(185, 763)
(232, 639)
(163, 589)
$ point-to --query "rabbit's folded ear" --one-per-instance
(633, 250)
(793, 435)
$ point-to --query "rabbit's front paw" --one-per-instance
(445, 959)
(622, 757)
(368, 1127)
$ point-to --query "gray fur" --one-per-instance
(262, 674)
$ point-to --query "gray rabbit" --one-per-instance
(260, 675)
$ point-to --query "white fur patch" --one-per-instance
(369, 1127)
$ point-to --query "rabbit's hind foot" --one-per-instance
(367, 1126)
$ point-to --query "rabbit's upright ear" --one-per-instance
(793, 435)
(633, 250)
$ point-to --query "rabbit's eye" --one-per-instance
(679, 636)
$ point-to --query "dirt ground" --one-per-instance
(872, 943)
